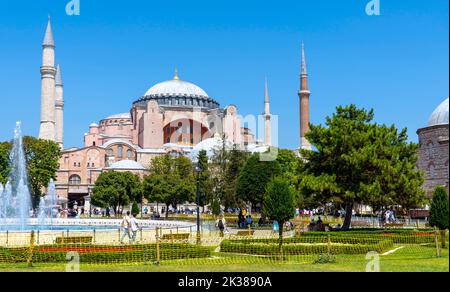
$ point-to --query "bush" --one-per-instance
(397, 236)
(306, 245)
(439, 209)
(99, 254)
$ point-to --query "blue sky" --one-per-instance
(396, 63)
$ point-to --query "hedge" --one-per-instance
(105, 254)
(397, 236)
(299, 246)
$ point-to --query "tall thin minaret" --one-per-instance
(59, 107)
(304, 95)
(267, 116)
(48, 72)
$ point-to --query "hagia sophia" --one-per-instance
(179, 118)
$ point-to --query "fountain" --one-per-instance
(48, 206)
(17, 216)
(15, 200)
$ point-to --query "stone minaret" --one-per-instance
(267, 117)
(304, 95)
(48, 72)
(59, 107)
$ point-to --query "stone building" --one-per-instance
(173, 117)
(434, 149)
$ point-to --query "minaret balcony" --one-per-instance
(48, 71)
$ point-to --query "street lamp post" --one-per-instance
(198, 170)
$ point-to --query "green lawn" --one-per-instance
(413, 258)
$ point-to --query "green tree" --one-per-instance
(237, 159)
(279, 204)
(133, 187)
(253, 179)
(5, 148)
(183, 182)
(218, 166)
(115, 189)
(155, 188)
(171, 182)
(205, 182)
(135, 209)
(42, 158)
(215, 207)
(357, 161)
(439, 212)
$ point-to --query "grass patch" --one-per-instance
(410, 259)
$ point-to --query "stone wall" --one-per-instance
(434, 156)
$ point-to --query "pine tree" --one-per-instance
(357, 161)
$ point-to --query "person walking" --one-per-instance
(126, 222)
(221, 225)
(134, 225)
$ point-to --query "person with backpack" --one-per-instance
(221, 225)
(126, 224)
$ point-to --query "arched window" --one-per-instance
(110, 152)
(430, 150)
(431, 171)
(120, 151)
(130, 153)
(75, 180)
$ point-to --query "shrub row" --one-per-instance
(397, 236)
(105, 254)
(311, 245)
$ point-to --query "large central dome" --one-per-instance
(178, 93)
(176, 88)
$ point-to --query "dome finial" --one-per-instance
(176, 77)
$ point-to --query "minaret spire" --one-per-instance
(267, 116)
(304, 95)
(304, 70)
(48, 38)
(58, 77)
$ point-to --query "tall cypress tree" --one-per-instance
(439, 212)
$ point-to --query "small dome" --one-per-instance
(127, 165)
(209, 145)
(255, 148)
(440, 115)
(93, 125)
